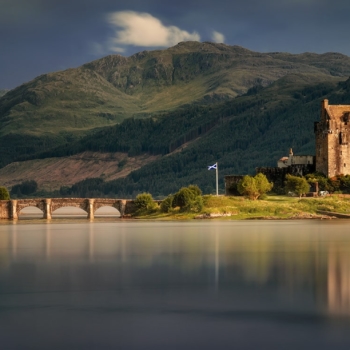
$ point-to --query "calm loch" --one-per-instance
(72, 284)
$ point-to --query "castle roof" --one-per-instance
(337, 111)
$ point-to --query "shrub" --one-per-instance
(188, 199)
(195, 205)
(254, 187)
(167, 204)
(4, 193)
(195, 189)
(296, 184)
(183, 197)
(144, 202)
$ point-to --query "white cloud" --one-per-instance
(142, 29)
(217, 37)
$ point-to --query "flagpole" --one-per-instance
(217, 179)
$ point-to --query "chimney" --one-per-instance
(291, 152)
(324, 104)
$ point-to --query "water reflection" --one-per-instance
(261, 273)
(339, 279)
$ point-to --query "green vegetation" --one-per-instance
(247, 132)
(167, 204)
(254, 187)
(26, 188)
(4, 193)
(145, 203)
(297, 185)
(273, 207)
(338, 184)
(142, 104)
(59, 108)
(188, 199)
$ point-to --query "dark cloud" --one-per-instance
(37, 36)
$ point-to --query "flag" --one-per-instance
(212, 167)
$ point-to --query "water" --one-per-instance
(75, 284)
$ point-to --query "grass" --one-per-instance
(274, 207)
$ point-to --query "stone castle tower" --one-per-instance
(332, 134)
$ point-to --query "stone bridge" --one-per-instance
(10, 209)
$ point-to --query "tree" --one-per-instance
(263, 185)
(4, 193)
(188, 199)
(167, 204)
(254, 187)
(144, 202)
(296, 184)
(183, 197)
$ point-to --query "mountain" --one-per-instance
(3, 92)
(61, 107)
(155, 120)
(246, 132)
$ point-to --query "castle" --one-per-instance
(332, 136)
(332, 151)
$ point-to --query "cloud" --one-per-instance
(217, 37)
(142, 29)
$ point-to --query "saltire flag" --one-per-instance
(212, 167)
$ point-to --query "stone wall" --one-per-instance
(5, 209)
(231, 182)
(332, 135)
(278, 175)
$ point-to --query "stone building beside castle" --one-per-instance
(332, 135)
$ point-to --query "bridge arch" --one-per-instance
(30, 211)
(22, 204)
(107, 211)
(67, 211)
(76, 203)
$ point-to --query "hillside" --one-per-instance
(59, 108)
(52, 173)
(3, 92)
(252, 130)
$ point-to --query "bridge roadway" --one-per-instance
(10, 209)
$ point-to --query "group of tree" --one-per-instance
(25, 188)
(246, 129)
(336, 184)
(187, 199)
(257, 186)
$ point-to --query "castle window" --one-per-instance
(344, 165)
(342, 138)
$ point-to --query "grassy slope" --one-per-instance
(58, 108)
(257, 134)
(274, 207)
(108, 90)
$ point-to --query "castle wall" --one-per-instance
(278, 175)
(231, 182)
(332, 134)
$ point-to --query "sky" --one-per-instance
(42, 36)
